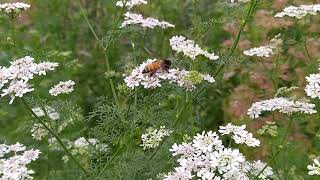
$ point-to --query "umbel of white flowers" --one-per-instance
(131, 3)
(14, 80)
(281, 104)
(14, 8)
(182, 78)
(267, 50)
(189, 48)
(299, 11)
(138, 19)
(313, 87)
(14, 159)
(207, 158)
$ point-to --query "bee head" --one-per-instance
(167, 62)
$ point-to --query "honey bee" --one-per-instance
(162, 65)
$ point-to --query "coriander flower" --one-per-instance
(130, 3)
(154, 137)
(257, 166)
(284, 105)
(50, 111)
(65, 87)
(299, 11)
(189, 48)
(207, 142)
(313, 87)
(14, 160)
(138, 19)
(314, 169)
(14, 80)
(14, 8)
(267, 50)
(239, 135)
(183, 78)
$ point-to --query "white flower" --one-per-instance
(14, 7)
(62, 87)
(17, 89)
(38, 132)
(240, 135)
(138, 19)
(179, 174)
(189, 48)
(19, 73)
(52, 113)
(137, 78)
(257, 166)
(262, 51)
(207, 142)
(229, 159)
(154, 137)
(267, 50)
(282, 104)
(13, 166)
(314, 169)
(313, 87)
(130, 3)
(299, 11)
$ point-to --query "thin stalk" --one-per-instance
(109, 162)
(282, 147)
(253, 5)
(54, 135)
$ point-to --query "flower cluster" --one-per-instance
(18, 75)
(14, 8)
(13, 167)
(83, 147)
(183, 78)
(265, 51)
(314, 169)
(154, 137)
(299, 11)
(270, 128)
(132, 18)
(284, 105)
(239, 135)
(189, 48)
(62, 87)
(131, 3)
(207, 158)
(313, 87)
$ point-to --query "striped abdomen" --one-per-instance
(151, 67)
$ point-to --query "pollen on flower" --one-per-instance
(138, 19)
(65, 87)
(189, 48)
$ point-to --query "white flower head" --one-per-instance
(154, 137)
(299, 11)
(313, 87)
(138, 19)
(267, 50)
(65, 87)
(130, 3)
(15, 8)
(284, 105)
(314, 169)
(257, 166)
(18, 75)
(13, 166)
(207, 142)
(179, 77)
(239, 135)
(189, 48)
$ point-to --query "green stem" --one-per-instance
(54, 135)
(109, 162)
(282, 147)
(253, 5)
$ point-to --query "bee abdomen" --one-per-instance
(151, 67)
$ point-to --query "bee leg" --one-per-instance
(152, 73)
